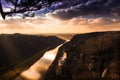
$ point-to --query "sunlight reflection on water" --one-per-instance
(37, 70)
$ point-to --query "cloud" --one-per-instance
(115, 11)
(94, 21)
(13, 24)
(71, 9)
(83, 25)
(53, 25)
(68, 3)
(103, 21)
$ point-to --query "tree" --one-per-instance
(1, 11)
(21, 6)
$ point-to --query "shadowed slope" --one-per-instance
(20, 51)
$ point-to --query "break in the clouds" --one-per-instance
(75, 8)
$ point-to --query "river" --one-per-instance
(38, 69)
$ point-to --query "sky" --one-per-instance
(69, 16)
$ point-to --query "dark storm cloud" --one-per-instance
(116, 11)
(69, 3)
(70, 9)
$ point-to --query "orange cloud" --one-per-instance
(53, 25)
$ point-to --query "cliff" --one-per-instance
(90, 56)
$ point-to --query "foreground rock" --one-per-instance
(92, 56)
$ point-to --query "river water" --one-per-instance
(38, 69)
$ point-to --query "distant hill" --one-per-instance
(90, 56)
(65, 36)
(19, 51)
(59, 35)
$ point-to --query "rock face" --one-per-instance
(18, 51)
(92, 56)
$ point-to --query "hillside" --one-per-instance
(90, 56)
(18, 52)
